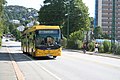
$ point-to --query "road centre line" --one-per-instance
(44, 69)
(17, 70)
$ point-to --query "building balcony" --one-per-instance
(106, 2)
(106, 29)
(106, 20)
(106, 11)
(107, 15)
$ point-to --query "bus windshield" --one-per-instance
(47, 37)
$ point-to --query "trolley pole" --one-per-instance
(113, 34)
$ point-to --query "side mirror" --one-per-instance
(62, 36)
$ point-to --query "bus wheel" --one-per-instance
(54, 57)
(33, 55)
(24, 52)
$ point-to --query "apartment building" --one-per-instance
(103, 16)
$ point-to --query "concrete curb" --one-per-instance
(111, 56)
(97, 54)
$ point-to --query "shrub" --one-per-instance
(64, 42)
(79, 44)
(91, 46)
(101, 49)
(75, 40)
(118, 50)
(71, 44)
(0, 41)
(78, 35)
(107, 46)
(75, 44)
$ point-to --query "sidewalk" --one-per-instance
(6, 67)
(97, 54)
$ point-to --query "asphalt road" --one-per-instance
(69, 66)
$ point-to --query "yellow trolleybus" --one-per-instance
(42, 40)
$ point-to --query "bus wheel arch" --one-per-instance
(54, 57)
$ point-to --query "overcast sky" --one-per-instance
(36, 4)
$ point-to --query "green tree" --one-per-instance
(75, 40)
(106, 36)
(107, 46)
(19, 13)
(77, 35)
(6, 27)
(91, 22)
(118, 50)
(52, 13)
(2, 2)
(98, 32)
(56, 12)
(91, 46)
(13, 30)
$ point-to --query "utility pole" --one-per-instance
(68, 20)
(68, 4)
(113, 31)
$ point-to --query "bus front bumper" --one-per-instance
(55, 52)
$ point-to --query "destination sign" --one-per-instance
(48, 32)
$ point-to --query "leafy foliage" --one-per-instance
(91, 46)
(64, 42)
(106, 36)
(20, 13)
(75, 39)
(65, 13)
(79, 44)
(107, 46)
(118, 51)
(78, 35)
(91, 22)
(101, 48)
(52, 13)
(2, 2)
(98, 32)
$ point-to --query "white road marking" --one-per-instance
(97, 60)
(44, 69)
(17, 70)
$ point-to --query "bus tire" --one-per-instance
(24, 52)
(54, 57)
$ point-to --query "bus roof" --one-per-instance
(38, 27)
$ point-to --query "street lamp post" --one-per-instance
(113, 27)
(67, 4)
(68, 12)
